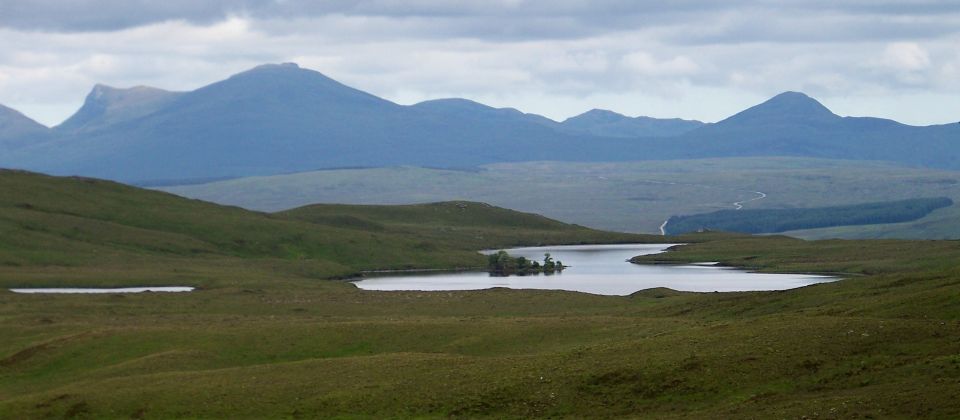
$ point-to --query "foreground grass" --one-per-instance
(266, 337)
(856, 348)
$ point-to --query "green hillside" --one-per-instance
(266, 338)
(59, 231)
(941, 224)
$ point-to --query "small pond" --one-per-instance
(599, 269)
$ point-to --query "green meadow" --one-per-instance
(273, 333)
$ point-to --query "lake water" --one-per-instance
(166, 289)
(602, 270)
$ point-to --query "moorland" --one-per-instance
(272, 333)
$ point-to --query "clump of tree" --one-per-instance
(782, 220)
(502, 264)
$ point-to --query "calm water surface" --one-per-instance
(602, 270)
(100, 290)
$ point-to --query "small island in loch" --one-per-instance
(502, 264)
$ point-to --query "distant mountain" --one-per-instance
(270, 119)
(18, 131)
(280, 118)
(788, 108)
(793, 124)
(601, 122)
(107, 105)
(467, 109)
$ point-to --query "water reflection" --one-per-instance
(164, 289)
(599, 269)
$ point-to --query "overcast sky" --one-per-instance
(700, 59)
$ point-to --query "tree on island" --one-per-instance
(502, 264)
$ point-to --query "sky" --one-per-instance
(695, 59)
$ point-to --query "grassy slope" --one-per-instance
(84, 231)
(941, 224)
(278, 343)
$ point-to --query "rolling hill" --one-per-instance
(265, 336)
(82, 231)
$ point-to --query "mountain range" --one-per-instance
(280, 118)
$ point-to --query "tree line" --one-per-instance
(782, 220)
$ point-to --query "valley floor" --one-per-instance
(878, 345)
(269, 333)
(621, 196)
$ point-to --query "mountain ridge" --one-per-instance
(18, 130)
(609, 123)
(794, 124)
(281, 118)
(106, 105)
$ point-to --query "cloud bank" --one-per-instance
(689, 58)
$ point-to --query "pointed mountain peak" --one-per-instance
(787, 106)
(277, 66)
(606, 112)
(13, 119)
(100, 89)
(283, 86)
(18, 130)
(450, 104)
(597, 115)
(453, 102)
(286, 74)
(106, 105)
(102, 92)
(279, 71)
(287, 77)
(798, 101)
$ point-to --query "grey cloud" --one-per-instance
(744, 28)
(558, 51)
(497, 19)
(514, 19)
(102, 15)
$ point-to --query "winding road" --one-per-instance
(738, 205)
